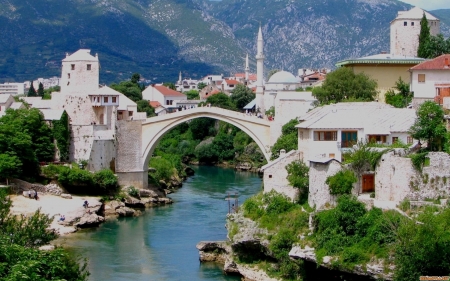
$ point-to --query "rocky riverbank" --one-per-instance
(54, 202)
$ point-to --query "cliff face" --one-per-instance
(159, 38)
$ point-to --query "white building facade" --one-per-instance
(12, 88)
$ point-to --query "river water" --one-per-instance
(160, 244)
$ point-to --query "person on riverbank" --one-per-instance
(36, 197)
(85, 204)
(62, 218)
(29, 194)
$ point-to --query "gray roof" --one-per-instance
(52, 114)
(16, 105)
(375, 118)
(4, 97)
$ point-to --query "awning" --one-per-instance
(250, 105)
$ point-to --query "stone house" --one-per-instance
(430, 80)
(328, 131)
(209, 90)
(165, 96)
(159, 109)
(275, 174)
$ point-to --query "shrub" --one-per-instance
(75, 176)
(133, 191)
(342, 182)
(52, 171)
(164, 169)
(105, 180)
(418, 159)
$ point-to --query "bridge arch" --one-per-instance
(153, 129)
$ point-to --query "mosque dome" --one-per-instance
(283, 77)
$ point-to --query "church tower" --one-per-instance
(260, 73)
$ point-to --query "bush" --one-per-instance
(105, 180)
(418, 159)
(164, 169)
(52, 171)
(342, 182)
(75, 177)
(133, 191)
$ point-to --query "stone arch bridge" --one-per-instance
(136, 140)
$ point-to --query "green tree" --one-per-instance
(424, 38)
(135, 78)
(201, 85)
(129, 89)
(241, 96)
(31, 91)
(170, 85)
(429, 125)
(344, 85)
(221, 100)
(144, 106)
(61, 133)
(40, 91)
(192, 95)
(298, 176)
(402, 98)
(288, 139)
(341, 182)
(437, 46)
(200, 127)
(10, 166)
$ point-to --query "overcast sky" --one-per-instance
(429, 5)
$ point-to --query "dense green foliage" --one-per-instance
(82, 181)
(341, 182)
(424, 37)
(401, 99)
(288, 139)
(418, 159)
(343, 84)
(363, 157)
(31, 91)
(192, 95)
(61, 133)
(436, 46)
(144, 106)
(131, 90)
(40, 91)
(19, 257)
(298, 176)
(354, 234)
(429, 126)
(25, 139)
(221, 100)
(285, 221)
(423, 249)
(241, 96)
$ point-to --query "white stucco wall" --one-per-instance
(427, 89)
(275, 176)
(103, 155)
(319, 191)
(79, 80)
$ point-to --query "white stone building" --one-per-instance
(405, 30)
(430, 80)
(325, 132)
(165, 96)
(12, 88)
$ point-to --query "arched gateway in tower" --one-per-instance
(136, 140)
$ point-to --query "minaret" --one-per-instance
(247, 68)
(179, 78)
(260, 73)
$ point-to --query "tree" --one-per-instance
(298, 176)
(135, 78)
(129, 89)
(40, 91)
(401, 99)
(170, 85)
(144, 106)
(192, 95)
(288, 139)
(241, 96)
(201, 85)
(221, 100)
(31, 91)
(437, 46)
(424, 38)
(429, 125)
(10, 166)
(344, 85)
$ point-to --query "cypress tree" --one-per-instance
(424, 38)
(40, 91)
(31, 91)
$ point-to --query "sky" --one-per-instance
(429, 5)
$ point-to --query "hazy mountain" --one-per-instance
(159, 38)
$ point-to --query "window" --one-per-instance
(331, 155)
(68, 75)
(105, 99)
(421, 78)
(405, 23)
(114, 99)
(394, 140)
(72, 66)
(270, 176)
(325, 135)
(130, 113)
(349, 138)
(412, 23)
(88, 67)
(377, 138)
(409, 140)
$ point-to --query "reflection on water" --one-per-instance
(160, 245)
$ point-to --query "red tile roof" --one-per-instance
(439, 63)
(251, 77)
(231, 82)
(168, 92)
(154, 104)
